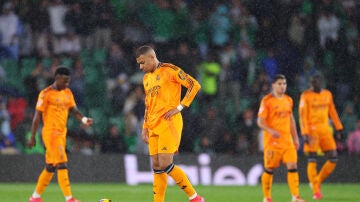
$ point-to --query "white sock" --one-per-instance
(68, 197)
(35, 195)
(193, 196)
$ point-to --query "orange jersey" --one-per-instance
(314, 111)
(277, 113)
(55, 106)
(163, 91)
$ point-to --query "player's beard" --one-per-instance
(281, 92)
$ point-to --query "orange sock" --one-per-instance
(266, 182)
(160, 185)
(293, 182)
(312, 174)
(64, 182)
(326, 170)
(43, 181)
(181, 180)
(311, 171)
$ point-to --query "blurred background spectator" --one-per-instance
(353, 140)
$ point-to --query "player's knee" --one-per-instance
(311, 159)
(294, 170)
(269, 171)
(332, 155)
(158, 171)
(50, 168)
(333, 159)
(169, 168)
(62, 166)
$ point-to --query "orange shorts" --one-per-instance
(166, 136)
(55, 145)
(273, 157)
(321, 138)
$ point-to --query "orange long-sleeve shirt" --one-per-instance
(315, 109)
(55, 106)
(277, 113)
(163, 91)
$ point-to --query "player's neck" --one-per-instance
(54, 86)
(316, 90)
(157, 65)
(278, 95)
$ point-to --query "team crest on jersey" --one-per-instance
(182, 75)
(153, 91)
(157, 77)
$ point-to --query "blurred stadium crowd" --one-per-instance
(233, 48)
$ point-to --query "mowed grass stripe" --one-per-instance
(92, 192)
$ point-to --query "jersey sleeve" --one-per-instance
(189, 82)
(291, 101)
(72, 102)
(334, 115)
(303, 115)
(263, 111)
(145, 119)
(41, 102)
(146, 102)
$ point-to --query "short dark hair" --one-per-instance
(278, 77)
(142, 50)
(62, 71)
(316, 76)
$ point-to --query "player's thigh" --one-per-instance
(272, 158)
(153, 143)
(313, 145)
(290, 156)
(55, 146)
(327, 142)
(170, 134)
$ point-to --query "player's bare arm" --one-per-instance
(294, 132)
(35, 124)
(79, 116)
(262, 125)
(172, 112)
(145, 135)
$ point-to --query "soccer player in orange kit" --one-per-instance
(163, 121)
(281, 140)
(53, 106)
(316, 105)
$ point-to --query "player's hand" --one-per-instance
(171, 113)
(31, 142)
(296, 143)
(87, 121)
(274, 133)
(306, 138)
(339, 135)
(145, 135)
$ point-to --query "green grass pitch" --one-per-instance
(86, 192)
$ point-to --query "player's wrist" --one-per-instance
(179, 107)
(84, 119)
